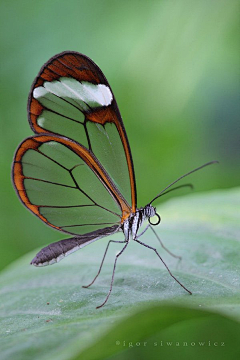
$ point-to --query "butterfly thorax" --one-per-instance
(132, 224)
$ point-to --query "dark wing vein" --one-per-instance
(66, 117)
(87, 135)
(50, 182)
(56, 162)
(66, 206)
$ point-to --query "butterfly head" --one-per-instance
(150, 211)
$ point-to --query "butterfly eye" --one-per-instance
(157, 222)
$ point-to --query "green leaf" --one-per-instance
(45, 314)
(169, 332)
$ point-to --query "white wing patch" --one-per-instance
(83, 95)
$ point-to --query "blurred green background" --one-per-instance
(174, 69)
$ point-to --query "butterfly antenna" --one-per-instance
(178, 187)
(181, 177)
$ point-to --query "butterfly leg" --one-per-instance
(100, 268)
(143, 232)
(114, 267)
(161, 243)
(149, 247)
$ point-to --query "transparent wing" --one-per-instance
(71, 97)
(63, 183)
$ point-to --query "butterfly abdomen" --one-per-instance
(55, 252)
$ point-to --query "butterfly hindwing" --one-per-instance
(64, 184)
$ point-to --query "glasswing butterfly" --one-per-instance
(76, 173)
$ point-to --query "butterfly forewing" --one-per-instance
(71, 97)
